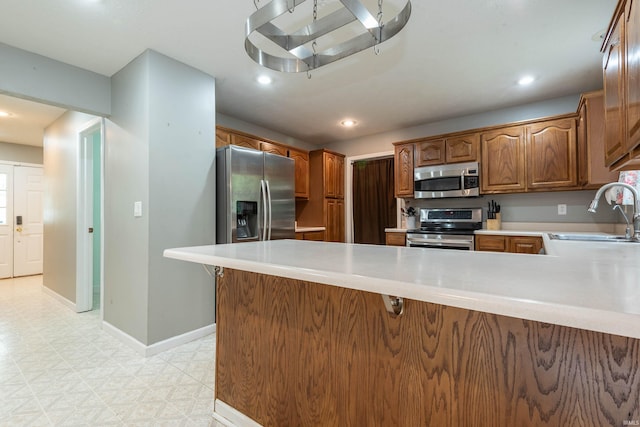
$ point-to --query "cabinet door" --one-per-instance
(334, 211)
(339, 164)
(491, 243)
(613, 94)
(551, 154)
(582, 140)
(301, 159)
(632, 72)
(273, 148)
(330, 178)
(223, 137)
(403, 170)
(318, 236)
(503, 167)
(525, 244)
(395, 239)
(592, 171)
(245, 141)
(463, 148)
(430, 153)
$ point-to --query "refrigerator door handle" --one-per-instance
(269, 210)
(263, 194)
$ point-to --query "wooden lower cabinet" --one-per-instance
(310, 235)
(504, 243)
(395, 238)
(296, 353)
(334, 214)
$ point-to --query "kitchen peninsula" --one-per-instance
(305, 336)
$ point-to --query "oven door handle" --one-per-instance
(441, 242)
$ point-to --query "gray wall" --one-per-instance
(160, 150)
(27, 75)
(241, 125)
(21, 153)
(61, 147)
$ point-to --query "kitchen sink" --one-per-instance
(590, 237)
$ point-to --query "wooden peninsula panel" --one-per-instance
(295, 353)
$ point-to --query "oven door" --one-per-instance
(441, 241)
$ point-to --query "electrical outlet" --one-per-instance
(562, 209)
(137, 209)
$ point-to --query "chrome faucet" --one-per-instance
(636, 205)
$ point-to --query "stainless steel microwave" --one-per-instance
(453, 180)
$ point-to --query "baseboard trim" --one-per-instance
(172, 342)
(159, 347)
(230, 416)
(124, 338)
(67, 303)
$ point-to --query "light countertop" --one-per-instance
(309, 229)
(594, 286)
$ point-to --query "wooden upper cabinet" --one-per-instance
(503, 163)
(333, 175)
(245, 141)
(403, 170)
(465, 148)
(430, 153)
(632, 72)
(268, 147)
(613, 73)
(551, 154)
(223, 137)
(455, 149)
(301, 159)
(592, 171)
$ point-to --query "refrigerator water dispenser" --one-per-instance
(247, 220)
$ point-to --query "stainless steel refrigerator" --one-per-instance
(255, 195)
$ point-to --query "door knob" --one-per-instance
(19, 229)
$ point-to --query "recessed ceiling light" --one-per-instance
(526, 80)
(264, 80)
(4, 114)
(348, 123)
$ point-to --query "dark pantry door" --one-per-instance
(374, 204)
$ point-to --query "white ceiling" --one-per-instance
(453, 58)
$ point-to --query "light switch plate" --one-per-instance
(137, 209)
(562, 209)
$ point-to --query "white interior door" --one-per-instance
(6, 221)
(28, 220)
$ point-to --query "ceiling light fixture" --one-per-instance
(526, 80)
(4, 114)
(264, 80)
(298, 50)
(348, 123)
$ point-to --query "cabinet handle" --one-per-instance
(394, 305)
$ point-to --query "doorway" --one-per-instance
(386, 208)
(89, 287)
(21, 220)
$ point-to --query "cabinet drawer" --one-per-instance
(491, 243)
(396, 239)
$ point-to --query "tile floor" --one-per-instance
(58, 368)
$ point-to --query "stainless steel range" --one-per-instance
(446, 229)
